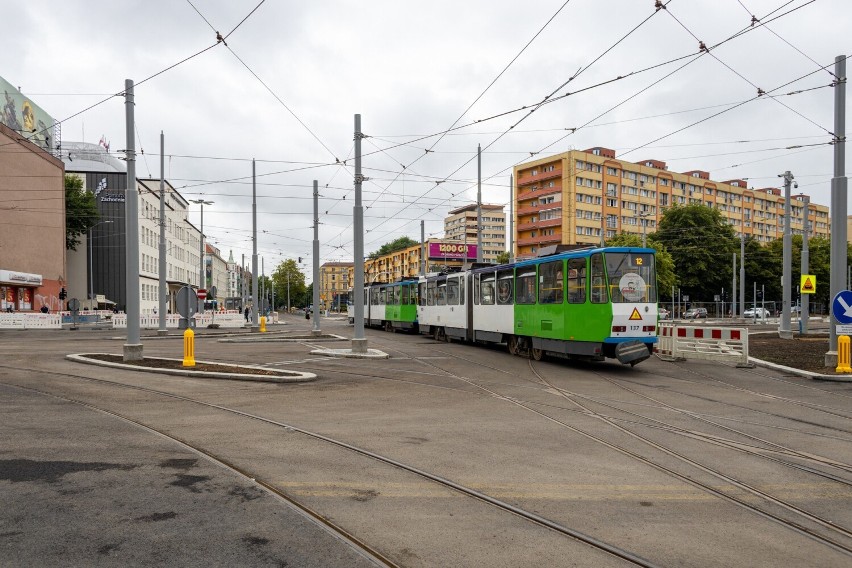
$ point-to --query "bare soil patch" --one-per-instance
(802, 352)
(157, 363)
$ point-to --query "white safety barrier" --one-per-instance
(231, 319)
(23, 320)
(727, 344)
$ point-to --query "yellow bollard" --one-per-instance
(189, 348)
(263, 324)
(843, 355)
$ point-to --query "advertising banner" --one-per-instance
(451, 250)
(21, 114)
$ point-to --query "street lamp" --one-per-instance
(91, 262)
(201, 283)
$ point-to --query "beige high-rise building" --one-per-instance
(461, 226)
(576, 196)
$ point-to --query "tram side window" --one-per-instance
(452, 291)
(374, 296)
(486, 289)
(403, 298)
(504, 288)
(550, 283)
(525, 286)
(577, 281)
(441, 296)
(477, 282)
(422, 293)
(461, 290)
(430, 293)
(599, 295)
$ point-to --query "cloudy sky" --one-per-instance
(286, 88)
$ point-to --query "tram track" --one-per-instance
(378, 557)
(840, 533)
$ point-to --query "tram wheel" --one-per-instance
(537, 354)
(512, 344)
(388, 327)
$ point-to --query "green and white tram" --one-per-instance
(592, 303)
(391, 306)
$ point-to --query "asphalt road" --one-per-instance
(671, 464)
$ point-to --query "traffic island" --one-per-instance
(351, 354)
(286, 338)
(201, 369)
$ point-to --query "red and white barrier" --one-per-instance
(727, 344)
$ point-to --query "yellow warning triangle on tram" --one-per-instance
(635, 315)
(808, 285)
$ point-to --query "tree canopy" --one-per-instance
(288, 271)
(81, 211)
(701, 244)
(393, 246)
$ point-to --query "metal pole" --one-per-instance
(838, 201)
(359, 342)
(422, 248)
(316, 276)
(742, 273)
(803, 315)
(511, 218)
(243, 283)
(734, 289)
(755, 302)
(201, 283)
(133, 347)
(288, 291)
(787, 268)
(91, 279)
(255, 319)
(164, 290)
(478, 209)
(262, 285)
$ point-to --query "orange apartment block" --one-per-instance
(578, 196)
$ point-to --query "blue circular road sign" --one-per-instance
(841, 307)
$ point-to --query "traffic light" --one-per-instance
(63, 294)
(300, 260)
(760, 295)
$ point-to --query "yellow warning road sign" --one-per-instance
(808, 285)
(635, 315)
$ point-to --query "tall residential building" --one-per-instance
(461, 226)
(574, 197)
(335, 280)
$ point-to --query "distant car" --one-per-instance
(664, 314)
(695, 313)
(756, 313)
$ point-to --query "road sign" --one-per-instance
(213, 292)
(74, 305)
(841, 307)
(186, 303)
(202, 294)
(808, 285)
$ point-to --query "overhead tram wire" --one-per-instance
(700, 53)
(773, 32)
(220, 39)
(546, 98)
(740, 75)
(756, 97)
(442, 134)
(118, 94)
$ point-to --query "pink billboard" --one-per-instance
(451, 250)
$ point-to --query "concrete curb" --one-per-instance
(349, 354)
(801, 373)
(203, 335)
(286, 376)
(294, 339)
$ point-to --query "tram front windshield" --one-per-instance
(631, 276)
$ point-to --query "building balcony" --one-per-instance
(531, 209)
(527, 195)
(540, 240)
(527, 180)
(540, 224)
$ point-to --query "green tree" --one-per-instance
(288, 276)
(666, 277)
(701, 244)
(393, 246)
(503, 257)
(81, 211)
